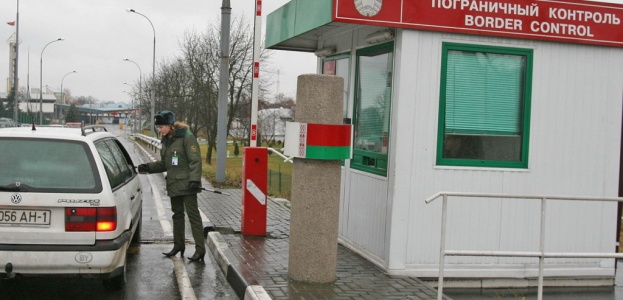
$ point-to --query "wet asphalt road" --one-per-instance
(150, 275)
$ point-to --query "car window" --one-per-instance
(126, 171)
(115, 163)
(42, 165)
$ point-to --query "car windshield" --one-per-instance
(38, 165)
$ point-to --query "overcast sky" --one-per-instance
(99, 34)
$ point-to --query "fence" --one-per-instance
(541, 254)
(24, 118)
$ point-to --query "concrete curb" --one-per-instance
(238, 276)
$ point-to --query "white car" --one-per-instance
(70, 203)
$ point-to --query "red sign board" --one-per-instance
(256, 69)
(329, 67)
(253, 132)
(584, 22)
(258, 8)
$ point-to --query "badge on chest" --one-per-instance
(174, 160)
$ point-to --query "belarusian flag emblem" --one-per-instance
(318, 141)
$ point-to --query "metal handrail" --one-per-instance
(157, 144)
(149, 140)
(286, 159)
(541, 254)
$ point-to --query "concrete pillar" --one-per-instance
(315, 196)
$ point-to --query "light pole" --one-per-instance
(132, 105)
(15, 72)
(62, 94)
(153, 73)
(140, 87)
(41, 80)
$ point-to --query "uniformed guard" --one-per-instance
(181, 159)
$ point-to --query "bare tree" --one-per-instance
(189, 84)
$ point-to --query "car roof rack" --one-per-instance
(94, 128)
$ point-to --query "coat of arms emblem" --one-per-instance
(368, 8)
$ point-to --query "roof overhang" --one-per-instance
(299, 24)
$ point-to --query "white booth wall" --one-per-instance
(575, 132)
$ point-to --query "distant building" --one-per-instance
(36, 101)
(272, 123)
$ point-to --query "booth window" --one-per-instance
(484, 115)
(339, 65)
(372, 105)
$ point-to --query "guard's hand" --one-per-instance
(143, 168)
(195, 186)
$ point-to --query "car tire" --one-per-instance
(136, 238)
(117, 282)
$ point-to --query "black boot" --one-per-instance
(197, 257)
(174, 252)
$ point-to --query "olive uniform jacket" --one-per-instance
(180, 157)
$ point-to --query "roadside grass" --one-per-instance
(279, 173)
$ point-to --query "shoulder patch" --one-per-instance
(193, 149)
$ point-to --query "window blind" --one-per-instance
(484, 93)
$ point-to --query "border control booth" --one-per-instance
(474, 98)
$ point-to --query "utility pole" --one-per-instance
(15, 72)
(221, 126)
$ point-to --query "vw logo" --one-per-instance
(16, 198)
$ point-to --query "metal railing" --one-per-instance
(154, 143)
(541, 254)
(286, 159)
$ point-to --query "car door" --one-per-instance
(132, 183)
(122, 179)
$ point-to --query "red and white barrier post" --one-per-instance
(254, 191)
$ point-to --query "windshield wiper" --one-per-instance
(10, 188)
(15, 187)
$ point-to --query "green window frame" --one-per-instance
(372, 108)
(484, 112)
(339, 65)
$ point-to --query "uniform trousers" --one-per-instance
(188, 203)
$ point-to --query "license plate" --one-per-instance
(24, 217)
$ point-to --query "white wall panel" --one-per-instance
(574, 149)
(363, 218)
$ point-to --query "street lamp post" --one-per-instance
(153, 73)
(41, 81)
(15, 72)
(132, 105)
(125, 128)
(140, 87)
(62, 93)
